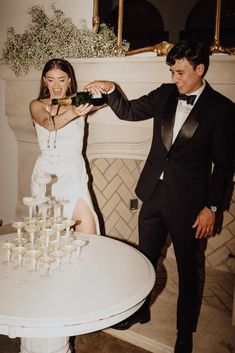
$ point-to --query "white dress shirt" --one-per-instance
(182, 111)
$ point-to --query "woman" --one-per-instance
(60, 131)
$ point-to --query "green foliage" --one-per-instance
(56, 37)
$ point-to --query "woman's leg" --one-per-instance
(84, 216)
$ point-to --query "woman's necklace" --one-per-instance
(52, 121)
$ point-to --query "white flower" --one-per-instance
(56, 37)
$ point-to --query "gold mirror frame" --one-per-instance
(161, 48)
(96, 19)
(216, 47)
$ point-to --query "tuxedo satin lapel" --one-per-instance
(167, 122)
(191, 123)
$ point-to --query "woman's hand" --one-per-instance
(83, 109)
(75, 112)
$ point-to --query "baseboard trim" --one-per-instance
(140, 341)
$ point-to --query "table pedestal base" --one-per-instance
(45, 345)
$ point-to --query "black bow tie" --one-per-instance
(188, 99)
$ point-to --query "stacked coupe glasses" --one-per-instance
(45, 240)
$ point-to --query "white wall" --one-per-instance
(14, 13)
(8, 163)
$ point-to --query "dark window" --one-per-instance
(142, 23)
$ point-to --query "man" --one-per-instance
(184, 180)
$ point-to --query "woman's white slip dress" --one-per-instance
(61, 156)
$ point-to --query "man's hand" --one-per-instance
(101, 86)
(204, 223)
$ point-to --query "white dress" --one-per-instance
(61, 156)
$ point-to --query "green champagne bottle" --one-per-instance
(81, 98)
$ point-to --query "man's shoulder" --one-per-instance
(166, 89)
(218, 96)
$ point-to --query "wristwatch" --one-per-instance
(213, 208)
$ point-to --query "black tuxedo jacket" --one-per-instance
(199, 164)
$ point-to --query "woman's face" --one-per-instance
(57, 82)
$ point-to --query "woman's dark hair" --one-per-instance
(64, 66)
(196, 53)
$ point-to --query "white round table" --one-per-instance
(106, 285)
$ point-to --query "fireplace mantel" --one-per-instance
(108, 136)
(111, 140)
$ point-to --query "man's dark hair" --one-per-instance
(196, 53)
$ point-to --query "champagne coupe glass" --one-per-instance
(68, 223)
(51, 221)
(58, 227)
(79, 243)
(43, 180)
(32, 228)
(44, 209)
(39, 202)
(68, 249)
(19, 250)
(33, 254)
(55, 244)
(47, 260)
(62, 202)
(18, 225)
(58, 255)
(8, 246)
(30, 202)
(56, 209)
(47, 234)
(44, 223)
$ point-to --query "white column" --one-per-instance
(45, 345)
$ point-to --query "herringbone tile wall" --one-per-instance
(114, 182)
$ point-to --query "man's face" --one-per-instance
(186, 78)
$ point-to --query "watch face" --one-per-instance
(213, 208)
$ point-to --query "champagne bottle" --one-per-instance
(81, 98)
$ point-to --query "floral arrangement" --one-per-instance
(56, 37)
